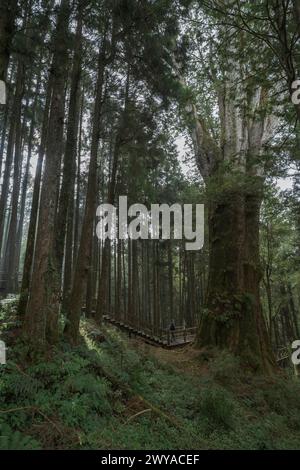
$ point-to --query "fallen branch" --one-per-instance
(138, 414)
(37, 410)
(11, 410)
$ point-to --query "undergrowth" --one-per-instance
(110, 395)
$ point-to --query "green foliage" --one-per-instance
(21, 387)
(217, 407)
(226, 368)
(14, 440)
(8, 310)
(73, 400)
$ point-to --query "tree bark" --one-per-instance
(26, 178)
(296, 4)
(233, 317)
(17, 101)
(66, 199)
(83, 262)
(8, 11)
(42, 307)
(10, 255)
(28, 260)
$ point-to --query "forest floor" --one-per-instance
(185, 359)
(112, 392)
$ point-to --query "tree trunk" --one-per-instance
(10, 254)
(42, 307)
(103, 278)
(233, 319)
(66, 199)
(84, 253)
(8, 10)
(10, 146)
(28, 260)
(26, 178)
(296, 4)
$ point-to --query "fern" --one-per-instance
(14, 440)
(22, 386)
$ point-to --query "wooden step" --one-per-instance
(155, 340)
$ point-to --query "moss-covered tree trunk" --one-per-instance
(233, 170)
(233, 317)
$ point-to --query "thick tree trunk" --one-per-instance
(42, 307)
(233, 317)
(28, 260)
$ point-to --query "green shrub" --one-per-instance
(73, 399)
(14, 440)
(225, 367)
(217, 406)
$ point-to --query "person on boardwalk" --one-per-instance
(172, 330)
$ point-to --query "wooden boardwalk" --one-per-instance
(163, 338)
(182, 336)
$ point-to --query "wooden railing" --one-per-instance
(180, 334)
(171, 338)
(160, 336)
